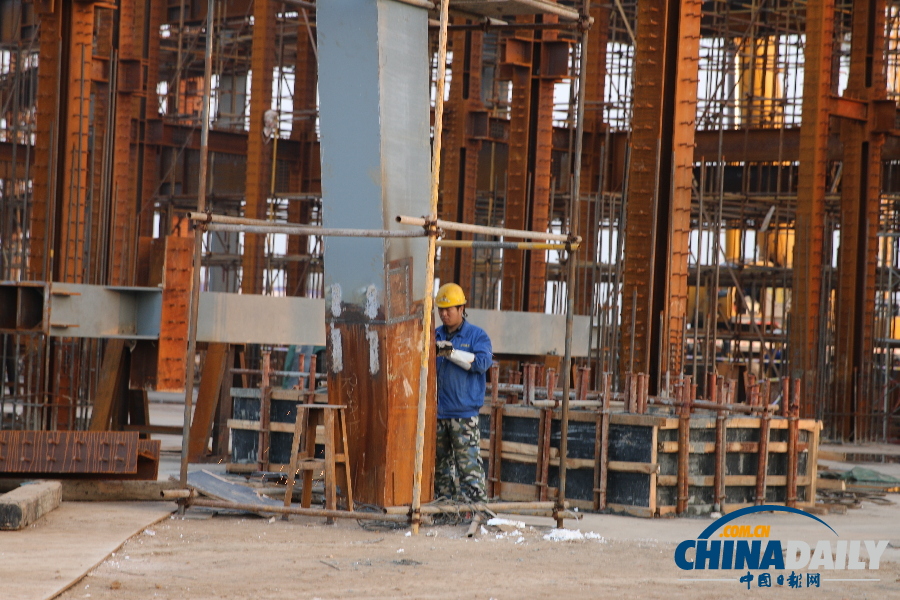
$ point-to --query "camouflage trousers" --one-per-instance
(458, 472)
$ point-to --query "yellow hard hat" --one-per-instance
(449, 295)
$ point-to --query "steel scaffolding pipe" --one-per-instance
(480, 244)
(198, 245)
(415, 513)
(295, 510)
(433, 509)
(486, 230)
(245, 225)
(708, 405)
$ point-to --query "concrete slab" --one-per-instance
(25, 505)
(42, 560)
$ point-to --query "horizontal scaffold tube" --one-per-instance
(434, 509)
(483, 229)
(296, 510)
(483, 244)
(244, 225)
(707, 405)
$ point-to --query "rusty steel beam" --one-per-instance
(541, 153)
(858, 252)
(517, 62)
(645, 170)
(659, 190)
(532, 62)
(114, 454)
(592, 151)
(459, 165)
(676, 248)
(148, 20)
(810, 221)
(306, 175)
(122, 193)
(46, 156)
(259, 149)
(75, 144)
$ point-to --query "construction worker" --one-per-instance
(463, 357)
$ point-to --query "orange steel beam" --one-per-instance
(308, 167)
(76, 143)
(517, 60)
(638, 314)
(147, 22)
(541, 153)
(259, 149)
(810, 221)
(858, 252)
(675, 276)
(659, 190)
(459, 164)
(594, 94)
(524, 276)
(46, 156)
(124, 185)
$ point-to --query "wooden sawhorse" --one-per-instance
(303, 454)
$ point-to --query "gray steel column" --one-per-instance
(375, 129)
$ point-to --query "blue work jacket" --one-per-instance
(461, 392)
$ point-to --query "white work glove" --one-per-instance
(462, 359)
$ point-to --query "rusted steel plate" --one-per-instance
(78, 452)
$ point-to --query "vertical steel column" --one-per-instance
(259, 149)
(152, 16)
(858, 251)
(591, 165)
(659, 195)
(374, 117)
(459, 172)
(810, 221)
(675, 280)
(517, 62)
(76, 143)
(123, 225)
(541, 157)
(308, 165)
(46, 149)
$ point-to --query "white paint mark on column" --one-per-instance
(407, 389)
(372, 337)
(371, 302)
(336, 300)
(337, 353)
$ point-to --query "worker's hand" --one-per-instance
(444, 348)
